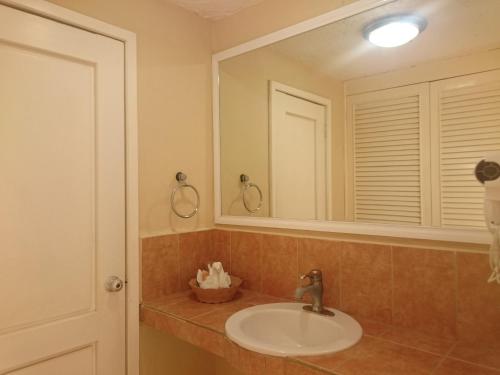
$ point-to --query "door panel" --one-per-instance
(47, 163)
(298, 157)
(62, 198)
(79, 362)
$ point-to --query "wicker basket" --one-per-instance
(216, 295)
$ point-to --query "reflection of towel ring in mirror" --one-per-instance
(245, 180)
(181, 178)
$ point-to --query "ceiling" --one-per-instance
(455, 28)
(215, 9)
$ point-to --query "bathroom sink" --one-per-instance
(285, 329)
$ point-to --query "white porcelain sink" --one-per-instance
(285, 329)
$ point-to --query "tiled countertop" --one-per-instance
(382, 350)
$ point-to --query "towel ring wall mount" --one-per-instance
(247, 185)
(182, 184)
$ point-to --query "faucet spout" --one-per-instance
(299, 292)
(315, 289)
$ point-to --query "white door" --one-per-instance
(298, 158)
(62, 198)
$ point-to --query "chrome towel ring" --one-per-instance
(182, 184)
(245, 180)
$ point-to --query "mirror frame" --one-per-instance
(356, 228)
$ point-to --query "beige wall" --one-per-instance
(244, 102)
(162, 354)
(174, 84)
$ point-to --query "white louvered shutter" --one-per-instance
(388, 158)
(466, 125)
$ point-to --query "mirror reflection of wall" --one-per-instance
(333, 127)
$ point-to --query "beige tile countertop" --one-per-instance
(383, 349)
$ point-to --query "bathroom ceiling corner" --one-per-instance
(215, 9)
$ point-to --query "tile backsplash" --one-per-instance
(440, 293)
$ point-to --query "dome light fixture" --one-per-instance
(394, 31)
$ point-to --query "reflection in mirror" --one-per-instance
(331, 126)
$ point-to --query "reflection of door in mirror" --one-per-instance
(298, 153)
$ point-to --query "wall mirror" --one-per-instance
(328, 125)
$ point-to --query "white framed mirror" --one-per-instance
(322, 126)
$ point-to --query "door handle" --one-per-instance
(113, 284)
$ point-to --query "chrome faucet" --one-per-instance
(315, 289)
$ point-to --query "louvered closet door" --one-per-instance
(388, 171)
(465, 125)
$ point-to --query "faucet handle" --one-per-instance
(313, 275)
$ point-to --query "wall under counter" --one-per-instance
(162, 354)
(165, 354)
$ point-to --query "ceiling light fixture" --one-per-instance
(394, 31)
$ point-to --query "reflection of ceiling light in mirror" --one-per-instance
(394, 31)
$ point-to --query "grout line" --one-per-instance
(141, 273)
(414, 244)
(455, 264)
(230, 236)
(442, 358)
(475, 364)
(324, 370)
(414, 347)
(200, 315)
(447, 354)
(179, 268)
(185, 320)
(297, 276)
(392, 284)
(340, 268)
(261, 255)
